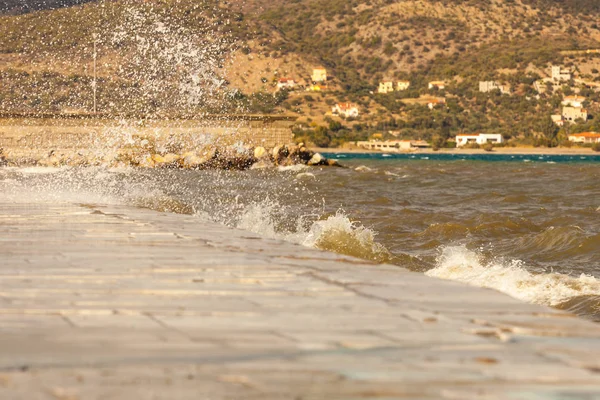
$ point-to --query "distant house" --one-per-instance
(440, 85)
(542, 85)
(388, 86)
(571, 114)
(385, 87)
(479, 138)
(557, 119)
(436, 102)
(559, 74)
(392, 145)
(286, 83)
(347, 110)
(319, 75)
(488, 86)
(402, 85)
(585, 137)
(573, 101)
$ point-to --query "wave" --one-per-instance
(335, 233)
(511, 277)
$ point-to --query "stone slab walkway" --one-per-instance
(109, 302)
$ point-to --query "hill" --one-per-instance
(161, 57)
(25, 6)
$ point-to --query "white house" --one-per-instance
(440, 85)
(573, 101)
(388, 145)
(558, 119)
(572, 114)
(479, 138)
(585, 137)
(559, 74)
(488, 86)
(385, 87)
(347, 110)
(286, 83)
(403, 85)
(319, 75)
(393, 145)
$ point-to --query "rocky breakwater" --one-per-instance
(146, 153)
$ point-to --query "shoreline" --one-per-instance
(499, 150)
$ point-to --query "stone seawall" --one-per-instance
(33, 138)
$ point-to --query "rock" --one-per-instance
(304, 154)
(275, 152)
(147, 162)
(207, 154)
(169, 160)
(317, 159)
(334, 163)
(171, 157)
(50, 161)
(157, 158)
(263, 163)
(193, 161)
(260, 152)
(233, 158)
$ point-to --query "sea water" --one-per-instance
(528, 226)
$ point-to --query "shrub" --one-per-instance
(596, 146)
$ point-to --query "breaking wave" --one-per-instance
(511, 277)
(335, 233)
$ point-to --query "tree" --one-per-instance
(549, 130)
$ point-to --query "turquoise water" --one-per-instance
(570, 158)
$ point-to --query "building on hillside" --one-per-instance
(488, 86)
(557, 119)
(542, 85)
(436, 102)
(388, 145)
(559, 74)
(402, 85)
(393, 145)
(385, 87)
(286, 83)
(319, 75)
(585, 137)
(388, 86)
(573, 101)
(440, 85)
(479, 138)
(572, 114)
(347, 110)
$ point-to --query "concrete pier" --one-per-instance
(110, 302)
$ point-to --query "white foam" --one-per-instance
(40, 170)
(335, 233)
(293, 168)
(461, 264)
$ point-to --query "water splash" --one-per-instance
(511, 277)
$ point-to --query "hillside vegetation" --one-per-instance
(25, 6)
(167, 57)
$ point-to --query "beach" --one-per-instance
(496, 150)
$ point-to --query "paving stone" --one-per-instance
(114, 302)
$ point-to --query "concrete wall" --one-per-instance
(35, 137)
